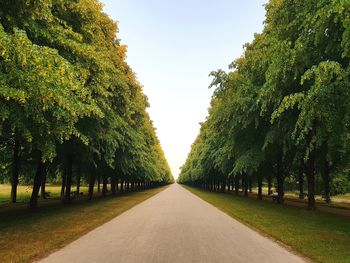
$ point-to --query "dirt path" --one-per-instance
(173, 226)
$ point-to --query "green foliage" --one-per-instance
(340, 185)
(68, 95)
(285, 101)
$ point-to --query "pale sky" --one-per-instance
(173, 45)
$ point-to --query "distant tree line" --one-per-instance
(281, 116)
(70, 106)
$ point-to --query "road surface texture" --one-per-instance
(173, 226)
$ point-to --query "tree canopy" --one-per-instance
(282, 111)
(69, 100)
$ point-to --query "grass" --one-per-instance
(24, 192)
(338, 201)
(345, 197)
(27, 235)
(320, 237)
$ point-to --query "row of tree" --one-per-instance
(282, 114)
(69, 103)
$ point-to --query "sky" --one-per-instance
(173, 45)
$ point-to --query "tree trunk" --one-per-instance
(301, 182)
(250, 185)
(310, 174)
(15, 172)
(246, 186)
(104, 185)
(37, 182)
(63, 187)
(327, 181)
(280, 181)
(260, 187)
(236, 184)
(269, 185)
(113, 185)
(69, 168)
(78, 181)
(98, 183)
(121, 185)
(92, 183)
(223, 186)
(43, 183)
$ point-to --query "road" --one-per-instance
(173, 226)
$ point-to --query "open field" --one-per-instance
(319, 236)
(26, 235)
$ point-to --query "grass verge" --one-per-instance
(320, 237)
(26, 235)
(25, 191)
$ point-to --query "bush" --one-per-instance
(340, 185)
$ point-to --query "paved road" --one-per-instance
(173, 226)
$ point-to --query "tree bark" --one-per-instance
(104, 185)
(15, 172)
(280, 181)
(236, 184)
(121, 185)
(301, 182)
(78, 181)
(43, 184)
(37, 183)
(327, 181)
(69, 168)
(98, 183)
(63, 187)
(92, 183)
(223, 186)
(246, 186)
(269, 185)
(113, 185)
(310, 174)
(260, 187)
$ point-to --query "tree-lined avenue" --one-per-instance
(173, 226)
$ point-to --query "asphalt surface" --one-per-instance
(173, 226)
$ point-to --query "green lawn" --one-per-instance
(26, 235)
(319, 236)
(345, 197)
(24, 192)
(338, 201)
